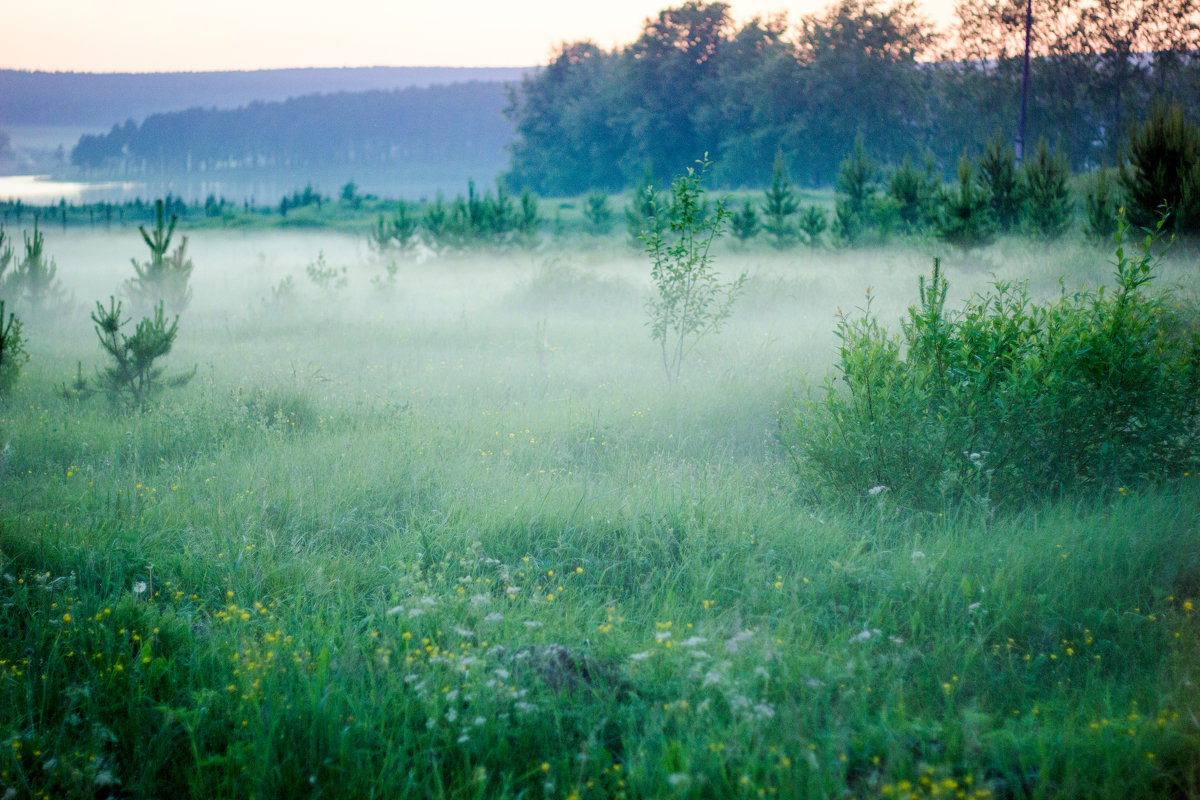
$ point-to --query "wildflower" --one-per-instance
(877, 490)
(495, 616)
(139, 588)
(394, 610)
(917, 554)
(642, 656)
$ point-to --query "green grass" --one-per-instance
(463, 540)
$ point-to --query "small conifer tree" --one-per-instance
(914, 192)
(855, 193)
(813, 222)
(1048, 204)
(1100, 207)
(1162, 170)
(966, 219)
(528, 220)
(164, 278)
(597, 212)
(1001, 182)
(744, 224)
(12, 352)
(133, 378)
(33, 282)
(779, 205)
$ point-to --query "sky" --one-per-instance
(174, 36)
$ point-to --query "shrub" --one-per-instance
(1048, 205)
(164, 278)
(1007, 399)
(645, 210)
(398, 233)
(689, 302)
(1163, 169)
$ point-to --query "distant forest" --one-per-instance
(694, 83)
(462, 123)
(100, 99)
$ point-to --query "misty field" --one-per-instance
(455, 535)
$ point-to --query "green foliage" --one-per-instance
(1001, 183)
(323, 276)
(645, 211)
(779, 205)
(597, 212)
(744, 224)
(855, 194)
(12, 352)
(813, 222)
(1162, 170)
(133, 379)
(528, 221)
(350, 195)
(689, 302)
(1008, 400)
(1049, 208)
(1100, 207)
(915, 194)
(399, 233)
(164, 278)
(32, 283)
(965, 217)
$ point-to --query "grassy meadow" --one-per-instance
(455, 535)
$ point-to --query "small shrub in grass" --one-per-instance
(1008, 399)
(779, 204)
(645, 210)
(744, 224)
(814, 222)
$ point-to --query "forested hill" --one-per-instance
(102, 99)
(461, 123)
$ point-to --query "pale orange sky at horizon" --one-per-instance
(151, 36)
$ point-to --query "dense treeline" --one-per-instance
(86, 98)
(694, 82)
(447, 124)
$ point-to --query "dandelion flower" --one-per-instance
(139, 588)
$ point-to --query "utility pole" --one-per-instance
(1020, 148)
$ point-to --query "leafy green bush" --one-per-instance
(688, 302)
(1008, 399)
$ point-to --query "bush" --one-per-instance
(778, 207)
(915, 194)
(1000, 180)
(855, 194)
(1007, 399)
(597, 212)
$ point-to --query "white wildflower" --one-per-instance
(533, 623)
(139, 588)
(877, 490)
(642, 656)
(495, 616)
(765, 711)
(464, 632)
(917, 554)
(692, 641)
(394, 610)
(678, 779)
